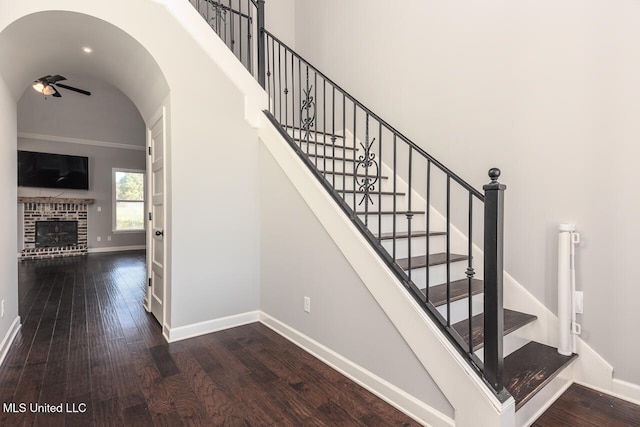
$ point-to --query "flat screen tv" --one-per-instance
(52, 170)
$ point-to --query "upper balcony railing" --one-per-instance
(237, 22)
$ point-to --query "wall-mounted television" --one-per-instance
(49, 170)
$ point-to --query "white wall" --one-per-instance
(106, 127)
(547, 91)
(8, 195)
(300, 259)
(280, 20)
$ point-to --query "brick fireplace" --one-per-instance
(54, 227)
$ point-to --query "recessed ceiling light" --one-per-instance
(87, 50)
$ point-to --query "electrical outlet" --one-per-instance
(99, 239)
(109, 237)
(579, 300)
(99, 208)
(307, 304)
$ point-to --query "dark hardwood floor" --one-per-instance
(87, 344)
(580, 406)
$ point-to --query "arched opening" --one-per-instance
(109, 127)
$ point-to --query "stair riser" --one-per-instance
(460, 308)
(329, 165)
(417, 223)
(348, 183)
(510, 343)
(375, 203)
(318, 137)
(438, 274)
(418, 246)
(333, 151)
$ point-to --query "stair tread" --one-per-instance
(314, 132)
(434, 259)
(513, 320)
(339, 159)
(328, 144)
(459, 289)
(389, 212)
(405, 235)
(528, 369)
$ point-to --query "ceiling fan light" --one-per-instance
(48, 90)
(38, 86)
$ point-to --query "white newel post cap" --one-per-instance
(567, 227)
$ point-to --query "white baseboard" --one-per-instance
(391, 394)
(627, 391)
(8, 338)
(117, 249)
(209, 326)
(621, 389)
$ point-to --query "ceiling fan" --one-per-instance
(47, 86)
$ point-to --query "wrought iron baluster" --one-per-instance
(378, 173)
(280, 82)
(448, 250)
(315, 128)
(286, 90)
(324, 127)
(470, 272)
(269, 91)
(293, 95)
(344, 143)
(409, 211)
(395, 194)
(428, 229)
(333, 134)
(355, 173)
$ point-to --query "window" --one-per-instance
(128, 200)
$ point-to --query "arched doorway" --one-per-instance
(37, 43)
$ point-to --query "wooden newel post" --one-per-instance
(493, 275)
(262, 54)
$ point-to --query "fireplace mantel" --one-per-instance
(56, 200)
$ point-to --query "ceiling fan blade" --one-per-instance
(75, 89)
(56, 94)
(56, 78)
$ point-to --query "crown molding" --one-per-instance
(95, 143)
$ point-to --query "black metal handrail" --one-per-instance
(338, 137)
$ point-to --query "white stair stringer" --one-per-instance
(473, 402)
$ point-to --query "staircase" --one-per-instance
(528, 366)
(441, 237)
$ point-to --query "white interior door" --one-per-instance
(156, 251)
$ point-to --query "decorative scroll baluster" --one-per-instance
(367, 161)
(308, 110)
